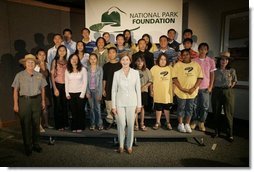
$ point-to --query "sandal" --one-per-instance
(143, 127)
(169, 127)
(156, 126)
(136, 128)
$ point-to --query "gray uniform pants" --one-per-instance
(29, 112)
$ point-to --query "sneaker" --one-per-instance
(201, 126)
(92, 127)
(187, 128)
(181, 128)
(193, 125)
(100, 128)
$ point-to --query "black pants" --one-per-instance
(60, 108)
(29, 113)
(77, 106)
(223, 97)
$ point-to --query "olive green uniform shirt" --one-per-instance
(29, 85)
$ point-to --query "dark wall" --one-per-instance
(24, 29)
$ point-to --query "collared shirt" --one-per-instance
(224, 78)
(71, 46)
(51, 55)
(89, 46)
(145, 77)
(126, 90)
(84, 60)
(174, 44)
(98, 76)
(121, 52)
(208, 65)
(29, 85)
(171, 53)
(102, 56)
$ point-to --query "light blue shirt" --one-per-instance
(71, 46)
(51, 55)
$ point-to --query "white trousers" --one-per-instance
(125, 118)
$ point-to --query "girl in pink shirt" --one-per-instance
(58, 68)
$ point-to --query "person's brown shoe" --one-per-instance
(120, 150)
(129, 150)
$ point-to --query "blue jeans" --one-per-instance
(95, 109)
(201, 105)
(184, 107)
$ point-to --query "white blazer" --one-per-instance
(126, 91)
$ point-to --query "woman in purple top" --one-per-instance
(94, 91)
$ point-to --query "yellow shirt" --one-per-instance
(187, 75)
(162, 84)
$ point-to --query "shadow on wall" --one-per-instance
(10, 66)
(39, 40)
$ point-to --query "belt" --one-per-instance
(31, 97)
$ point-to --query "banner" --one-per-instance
(154, 17)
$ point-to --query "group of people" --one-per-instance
(127, 77)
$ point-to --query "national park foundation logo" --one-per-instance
(113, 19)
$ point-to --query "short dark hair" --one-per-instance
(144, 60)
(57, 34)
(159, 58)
(97, 40)
(67, 30)
(141, 40)
(69, 65)
(172, 30)
(120, 35)
(112, 48)
(163, 36)
(188, 40)
(85, 29)
(203, 44)
(105, 33)
(39, 50)
(187, 31)
(185, 50)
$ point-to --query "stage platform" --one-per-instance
(112, 133)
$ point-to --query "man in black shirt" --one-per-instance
(143, 53)
(108, 74)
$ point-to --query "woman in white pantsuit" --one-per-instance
(126, 101)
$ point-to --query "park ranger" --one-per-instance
(29, 100)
